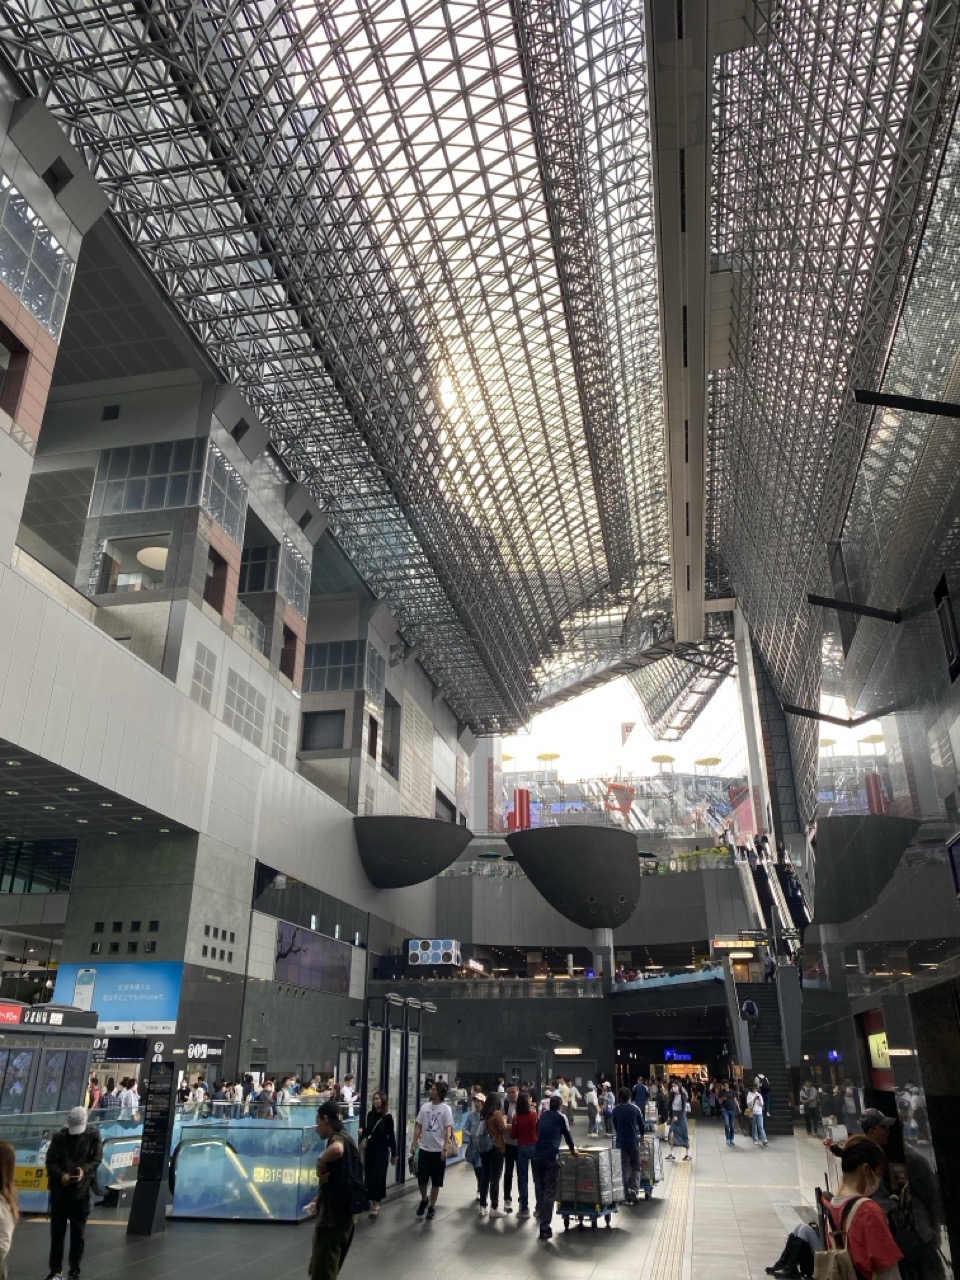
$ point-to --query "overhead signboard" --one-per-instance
(129, 999)
(200, 1050)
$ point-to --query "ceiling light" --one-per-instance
(105, 804)
(14, 764)
(111, 833)
(136, 819)
(165, 830)
(11, 793)
(83, 820)
(50, 808)
(73, 788)
(153, 558)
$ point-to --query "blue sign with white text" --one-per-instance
(129, 999)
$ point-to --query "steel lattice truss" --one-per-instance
(420, 239)
(675, 691)
(827, 136)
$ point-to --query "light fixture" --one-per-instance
(154, 558)
(164, 830)
(105, 804)
(83, 821)
(73, 788)
(14, 764)
(11, 793)
(740, 955)
(111, 833)
(136, 819)
(50, 808)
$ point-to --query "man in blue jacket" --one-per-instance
(553, 1130)
(641, 1095)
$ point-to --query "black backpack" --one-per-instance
(348, 1186)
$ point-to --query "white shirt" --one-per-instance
(128, 1104)
(755, 1102)
(6, 1229)
(348, 1093)
(433, 1119)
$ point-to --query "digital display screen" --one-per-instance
(311, 960)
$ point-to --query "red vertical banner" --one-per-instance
(876, 800)
(521, 808)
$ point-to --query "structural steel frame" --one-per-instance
(420, 239)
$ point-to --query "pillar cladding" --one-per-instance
(601, 947)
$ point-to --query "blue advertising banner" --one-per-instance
(129, 999)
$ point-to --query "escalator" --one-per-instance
(800, 912)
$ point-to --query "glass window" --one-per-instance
(114, 949)
(204, 676)
(294, 578)
(258, 569)
(244, 708)
(117, 926)
(134, 926)
(95, 948)
(206, 931)
(153, 926)
(98, 926)
(323, 730)
(333, 665)
(224, 494)
(203, 950)
(150, 947)
(33, 264)
(132, 948)
(280, 741)
(147, 477)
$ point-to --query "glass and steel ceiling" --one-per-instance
(421, 238)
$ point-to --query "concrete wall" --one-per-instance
(71, 694)
(692, 906)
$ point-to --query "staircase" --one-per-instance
(768, 1056)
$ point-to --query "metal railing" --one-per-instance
(250, 627)
(498, 989)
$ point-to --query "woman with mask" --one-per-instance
(378, 1147)
(852, 1213)
(679, 1131)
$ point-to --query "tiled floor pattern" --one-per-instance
(723, 1217)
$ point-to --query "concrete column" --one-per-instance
(601, 945)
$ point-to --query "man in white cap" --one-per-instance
(73, 1157)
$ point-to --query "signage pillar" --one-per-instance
(148, 1210)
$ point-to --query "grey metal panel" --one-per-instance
(856, 857)
(397, 851)
(590, 874)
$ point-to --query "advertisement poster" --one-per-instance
(129, 999)
(312, 960)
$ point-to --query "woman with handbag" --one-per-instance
(491, 1144)
(679, 1130)
(378, 1147)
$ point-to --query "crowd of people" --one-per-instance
(272, 1099)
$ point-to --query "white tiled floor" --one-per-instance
(725, 1217)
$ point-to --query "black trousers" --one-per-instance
(491, 1166)
(62, 1212)
(546, 1176)
(509, 1165)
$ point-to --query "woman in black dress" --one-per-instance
(379, 1150)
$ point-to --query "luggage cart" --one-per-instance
(651, 1165)
(590, 1187)
(584, 1213)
